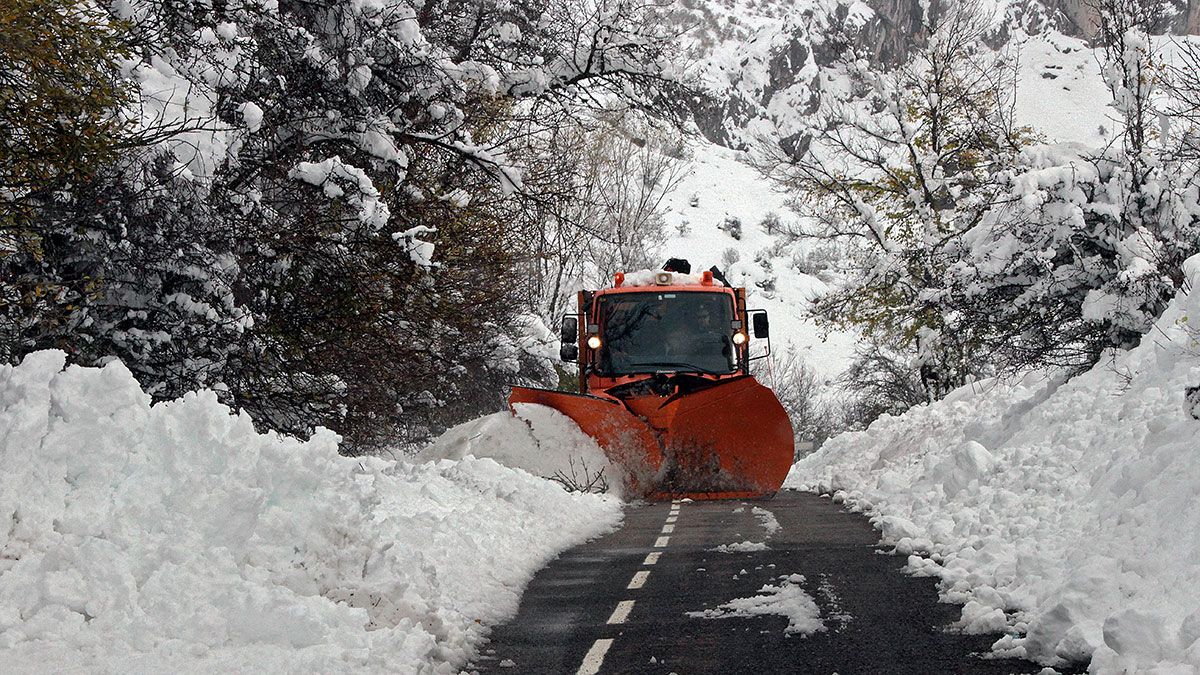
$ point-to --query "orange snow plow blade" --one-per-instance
(626, 440)
(729, 440)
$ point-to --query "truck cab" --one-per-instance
(651, 326)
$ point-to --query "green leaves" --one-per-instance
(61, 98)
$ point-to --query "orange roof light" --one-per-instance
(618, 279)
(706, 278)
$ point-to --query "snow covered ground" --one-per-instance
(176, 538)
(1061, 93)
(1063, 512)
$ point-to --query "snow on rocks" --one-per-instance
(175, 537)
(786, 599)
(1191, 401)
(1064, 512)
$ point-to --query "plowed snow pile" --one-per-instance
(175, 537)
(1071, 506)
(537, 439)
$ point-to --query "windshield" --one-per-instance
(656, 332)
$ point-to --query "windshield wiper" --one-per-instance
(677, 365)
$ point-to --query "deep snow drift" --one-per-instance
(176, 537)
(1065, 513)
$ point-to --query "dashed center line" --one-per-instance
(595, 657)
(621, 613)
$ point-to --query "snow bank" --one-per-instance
(175, 537)
(1063, 512)
(538, 439)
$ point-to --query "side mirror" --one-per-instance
(762, 328)
(569, 333)
(569, 351)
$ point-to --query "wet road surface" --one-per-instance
(620, 604)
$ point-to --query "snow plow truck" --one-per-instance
(665, 386)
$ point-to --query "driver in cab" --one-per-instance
(700, 340)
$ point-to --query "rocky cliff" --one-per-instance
(760, 67)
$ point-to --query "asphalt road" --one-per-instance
(613, 606)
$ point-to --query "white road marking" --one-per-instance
(674, 501)
(652, 558)
(668, 529)
(671, 519)
(638, 580)
(595, 657)
(621, 613)
(662, 542)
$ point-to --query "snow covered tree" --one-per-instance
(1087, 247)
(899, 170)
(978, 250)
(1042, 277)
(62, 90)
(1183, 84)
(321, 226)
(613, 170)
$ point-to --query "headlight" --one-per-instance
(593, 342)
(739, 338)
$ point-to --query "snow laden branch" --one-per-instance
(326, 204)
(899, 167)
(974, 247)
